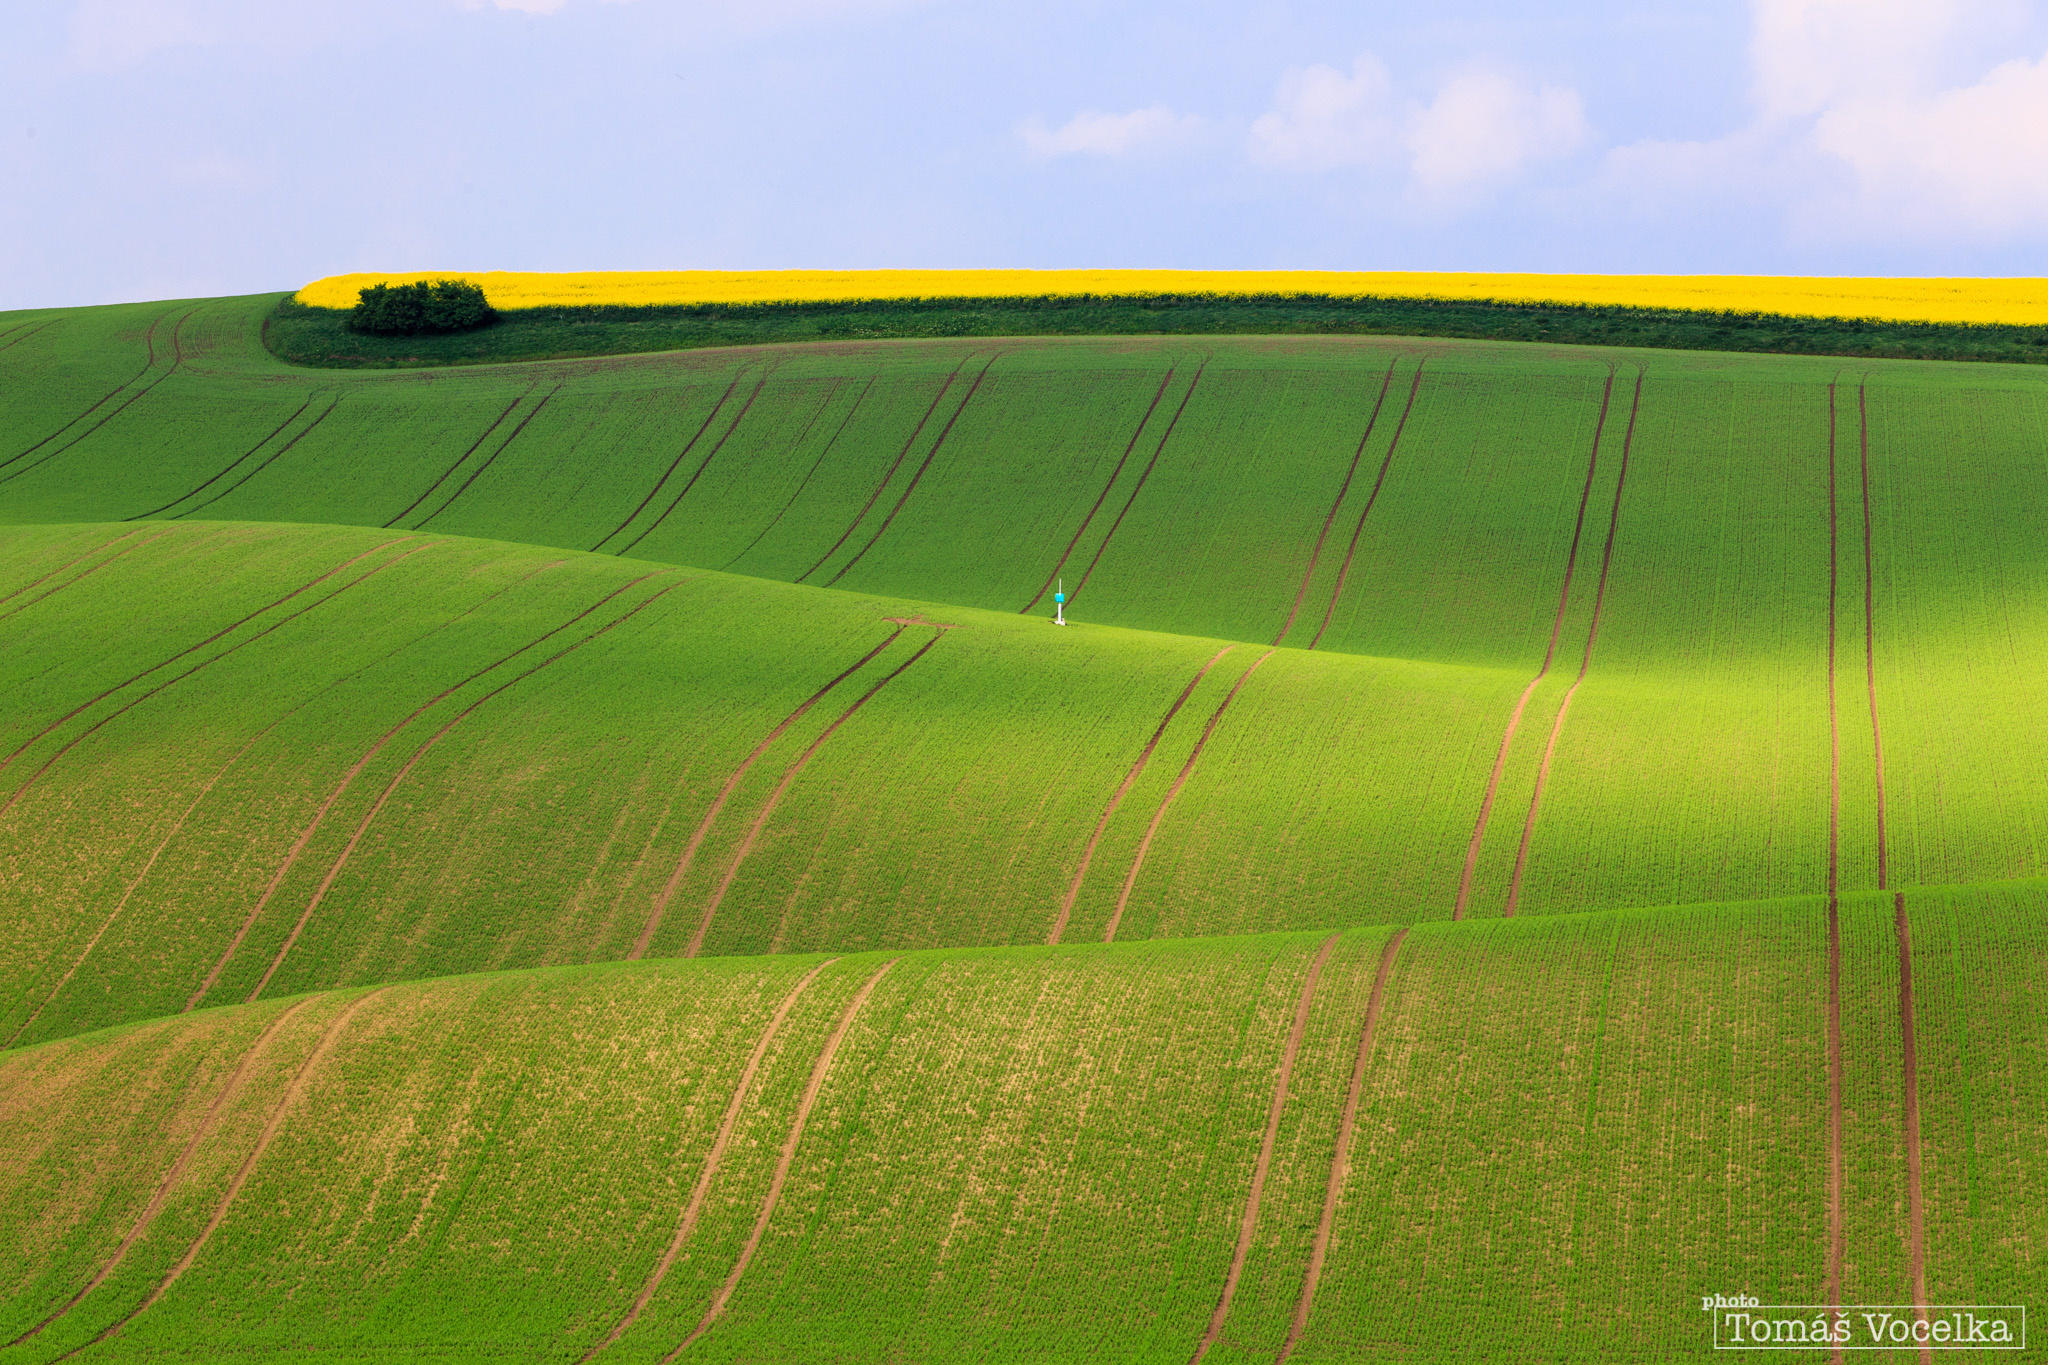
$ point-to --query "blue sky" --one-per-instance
(156, 148)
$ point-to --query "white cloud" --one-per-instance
(1096, 134)
(1323, 118)
(1487, 126)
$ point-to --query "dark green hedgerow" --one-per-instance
(320, 336)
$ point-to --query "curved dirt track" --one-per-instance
(1143, 475)
(77, 558)
(1059, 924)
(702, 465)
(712, 1160)
(789, 776)
(377, 807)
(1187, 769)
(697, 836)
(1564, 593)
(149, 343)
(232, 1088)
(267, 438)
(272, 458)
(489, 459)
(1265, 1161)
(210, 660)
(1351, 549)
(819, 1072)
(472, 449)
(1340, 1159)
(805, 482)
(1315, 553)
(82, 574)
(1585, 660)
(1101, 497)
(676, 463)
(220, 1212)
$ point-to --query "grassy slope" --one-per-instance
(1032, 1153)
(1339, 786)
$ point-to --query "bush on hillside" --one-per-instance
(427, 306)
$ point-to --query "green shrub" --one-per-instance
(426, 306)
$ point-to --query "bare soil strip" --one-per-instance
(208, 661)
(1351, 550)
(889, 473)
(25, 331)
(149, 344)
(1158, 817)
(87, 572)
(1059, 924)
(1585, 660)
(267, 438)
(1265, 1162)
(220, 1212)
(1564, 594)
(732, 868)
(177, 358)
(77, 558)
(266, 462)
(1101, 497)
(313, 826)
(177, 1171)
(1916, 1215)
(723, 1140)
(1143, 475)
(911, 487)
(177, 827)
(819, 1072)
(491, 458)
(676, 463)
(675, 878)
(377, 807)
(1315, 555)
(1834, 1029)
(1870, 629)
(805, 482)
(474, 446)
(702, 465)
(1340, 1160)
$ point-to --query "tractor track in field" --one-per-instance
(688, 446)
(207, 662)
(491, 458)
(299, 1082)
(702, 465)
(149, 343)
(1059, 925)
(1143, 476)
(177, 359)
(1265, 1162)
(819, 1072)
(938, 444)
(805, 482)
(1901, 922)
(19, 335)
(266, 462)
(267, 439)
(1315, 554)
(890, 473)
(1564, 594)
(459, 461)
(1351, 550)
(723, 1139)
(1123, 898)
(1340, 1158)
(1103, 496)
(207, 1124)
(753, 835)
(1834, 1006)
(348, 778)
(697, 837)
(81, 575)
(1585, 660)
(82, 555)
(377, 807)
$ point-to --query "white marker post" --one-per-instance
(1059, 604)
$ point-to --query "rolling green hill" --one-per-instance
(420, 791)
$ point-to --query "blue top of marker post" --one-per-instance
(1059, 597)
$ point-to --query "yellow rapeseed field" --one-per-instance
(2016, 301)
